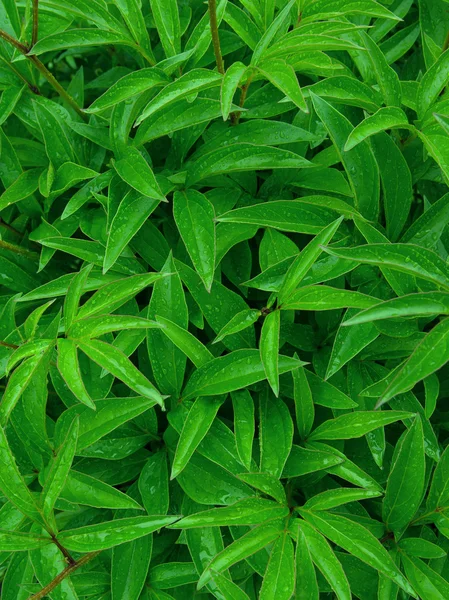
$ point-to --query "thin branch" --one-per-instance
(35, 22)
(71, 561)
(215, 37)
(30, 85)
(45, 72)
(236, 116)
(18, 250)
(66, 573)
(6, 345)
(56, 85)
(20, 47)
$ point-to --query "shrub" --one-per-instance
(224, 281)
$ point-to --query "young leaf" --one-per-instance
(194, 216)
(304, 408)
(357, 540)
(406, 480)
(244, 425)
(356, 424)
(253, 541)
(384, 118)
(92, 538)
(269, 349)
(232, 372)
(279, 578)
(113, 360)
(68, 366)
(359, 163)
(59, 470)
(197, 424)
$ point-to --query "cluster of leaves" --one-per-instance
(223, 287)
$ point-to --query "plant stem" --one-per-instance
(64, 551)
(446, 43)
(57, 86)
(66, 573)
(236, 116)
(45, 72)
(215, 37)
(20, 47)
(6, 345)
(35, 22)
(18, 250)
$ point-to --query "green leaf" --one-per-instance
(229, 85)
(92, 538)
(16, 541)
(250, 543)
(114, 294)
(185, 341)
(283, 76)
(302, 461)
(405, 484)
(297, 216)
(75, 38)
(332, 498)
(192, 82)
(131, 215)
(110, 414)
(13, 485)
(275, 434)
(304, 408)
(421, 548)
(137, 173)
(128, 86)
(432, 83)
(396, 183)
(198, 422)
(330, 8)
(359, 163)
(357, 540)
(356, 424)
(279, 578)
(25, 185)
(153, 484)
(384, 118)
(303, 262)
(266, 483)
(20, 380)
(406, 258)
(239, 322)
(232, 372)
(168, 300)
(385, 75)
(322, 297)
(269, 349)
(438, 495)
(326, 561)
(74, 293)
(243, 157)
(431, 354)
(85, 490)
(427, 582)
(166, 17)
(194, 217)
(249, 511)
(125, 584)
(244, 425)
(59, 470)
(113, 360)
(306, 583)
(68, 366)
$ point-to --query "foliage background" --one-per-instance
(224, 289)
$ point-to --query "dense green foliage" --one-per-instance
(223, 294)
